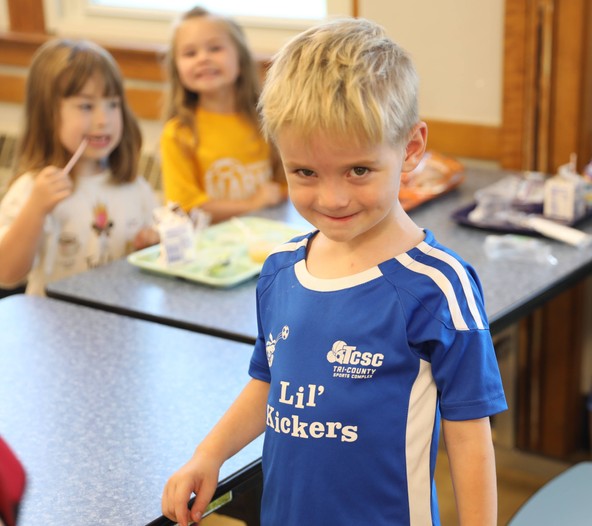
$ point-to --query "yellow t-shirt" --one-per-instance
(230, 162)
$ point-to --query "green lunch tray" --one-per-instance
(226, 254)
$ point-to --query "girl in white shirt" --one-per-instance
(58, 219)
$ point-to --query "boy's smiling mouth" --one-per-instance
(340, 218)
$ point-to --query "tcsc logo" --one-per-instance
(351, 363)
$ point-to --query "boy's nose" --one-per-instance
(333, 195)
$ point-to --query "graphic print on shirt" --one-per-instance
(272, 342)
(230, 179)
(102, 225)
(68, 246)
(351, 363)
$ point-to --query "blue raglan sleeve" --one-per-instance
(467, 376)
(447, 326)
(259, 368)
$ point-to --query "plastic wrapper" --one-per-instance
(519, 248)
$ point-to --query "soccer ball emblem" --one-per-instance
(285, 332)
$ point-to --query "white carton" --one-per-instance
(564, 198)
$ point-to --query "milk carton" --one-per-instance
(565, 195)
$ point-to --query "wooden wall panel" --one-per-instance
(585, 147)
(550, 405)
(465, 140)
(569, 78)
(12, 88)
(543, 17)
(16, 49)
(26, 16)
(146, 104)
(517, 78)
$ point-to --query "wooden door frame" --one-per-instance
(547, 84)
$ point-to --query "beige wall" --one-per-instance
(457, 46)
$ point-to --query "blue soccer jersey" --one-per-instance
(360, 370)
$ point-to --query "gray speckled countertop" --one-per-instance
(101, 409)
(511, 288)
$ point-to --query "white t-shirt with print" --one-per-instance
(93, 226)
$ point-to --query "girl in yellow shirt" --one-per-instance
(212, 153)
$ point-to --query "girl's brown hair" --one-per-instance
(60, 68)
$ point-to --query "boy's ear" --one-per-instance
(416, 147)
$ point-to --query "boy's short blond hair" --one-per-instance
(345, 77)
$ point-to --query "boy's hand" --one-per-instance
(199, 476)
(51, 186)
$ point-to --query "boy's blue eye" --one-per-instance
(86, 106)
(305, 171)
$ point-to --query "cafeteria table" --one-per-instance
(512, 289)
(125, 289)
(101, 409)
